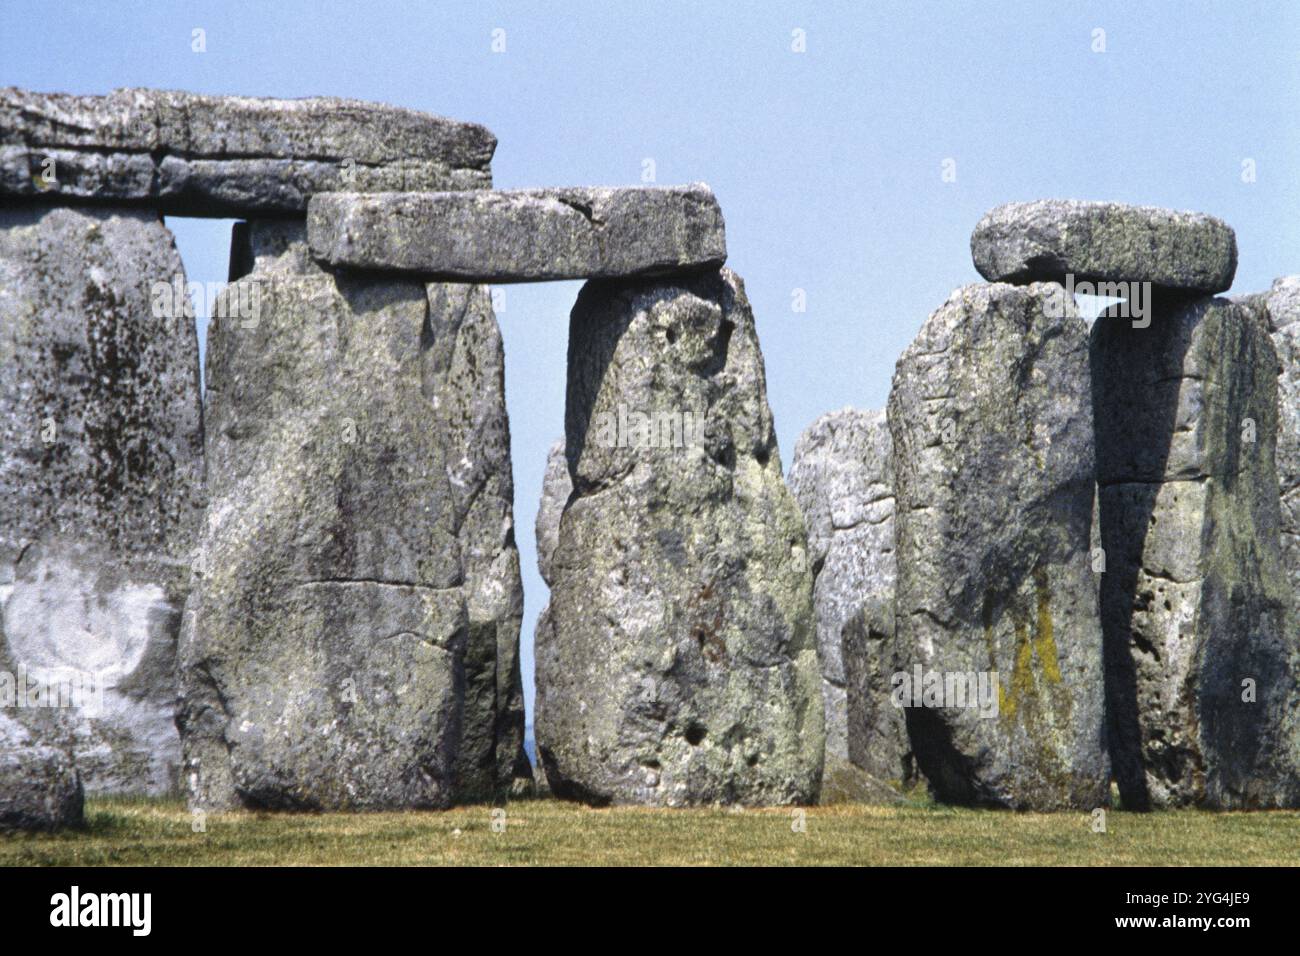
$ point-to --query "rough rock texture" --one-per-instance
(1280, 308)
(524, 235)
(1104, 241)
(101, 443)
(678, 664)
(993, 466)
(843, 480)
(39, 786)
(196, 155)
(352, 638)
(556, 488)
(877, 739)
(1194, 596)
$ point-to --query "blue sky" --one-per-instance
(828, 163)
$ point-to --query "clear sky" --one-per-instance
(829, 163)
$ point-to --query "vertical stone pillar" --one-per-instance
(1201, 665)
(101, 441)
(996, 610)
(352, 638)
(677, 664)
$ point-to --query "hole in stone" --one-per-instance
(751, 760)
(695, 734)
(671, 335)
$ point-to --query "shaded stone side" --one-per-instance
(877, 739)
(991, 419)
(101, 469)
(1194, 597)
(677, 664)
(352, 638)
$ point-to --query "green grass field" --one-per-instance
(142, 832)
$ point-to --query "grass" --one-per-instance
(158, 832)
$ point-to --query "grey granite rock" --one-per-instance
(352, 638)
(1280, 308)
(677, 664)
(1104, 241)
(1194, 596)
(199, 155)
(556, 488)
(991, 418)
(101, 470)
(877, 739)
(522, 235)
(842, 478)
(39, 786)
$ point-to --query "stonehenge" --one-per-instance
(1063, 557)
(842, 477)
(101, 479)
(1104, 242)
(188, 154)
(991, 421)
(678, 663)
(526, 235)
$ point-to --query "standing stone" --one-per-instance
(39, 786)
(1052, 239)
(843, 480)
(1194, 596)
(1281, 310)
(678, 664)
(101, 470)
(352, 638)
(877, 739)
(991, 419)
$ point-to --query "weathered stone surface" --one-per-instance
(877, 739)
(101, 471)
(678, 662)
(842, 478)
(352, 637)
(1280, 308)
(39, 786)
(990, 414)
(1104, 241)
(522, 235)
(198, 155)
(1194, 598)
(556, 488)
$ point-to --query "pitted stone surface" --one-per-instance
(677, 664)
(522, 235)
(1194, 598)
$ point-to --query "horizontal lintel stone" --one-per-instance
(524, 235)
(1050, 239)
(199, 155)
